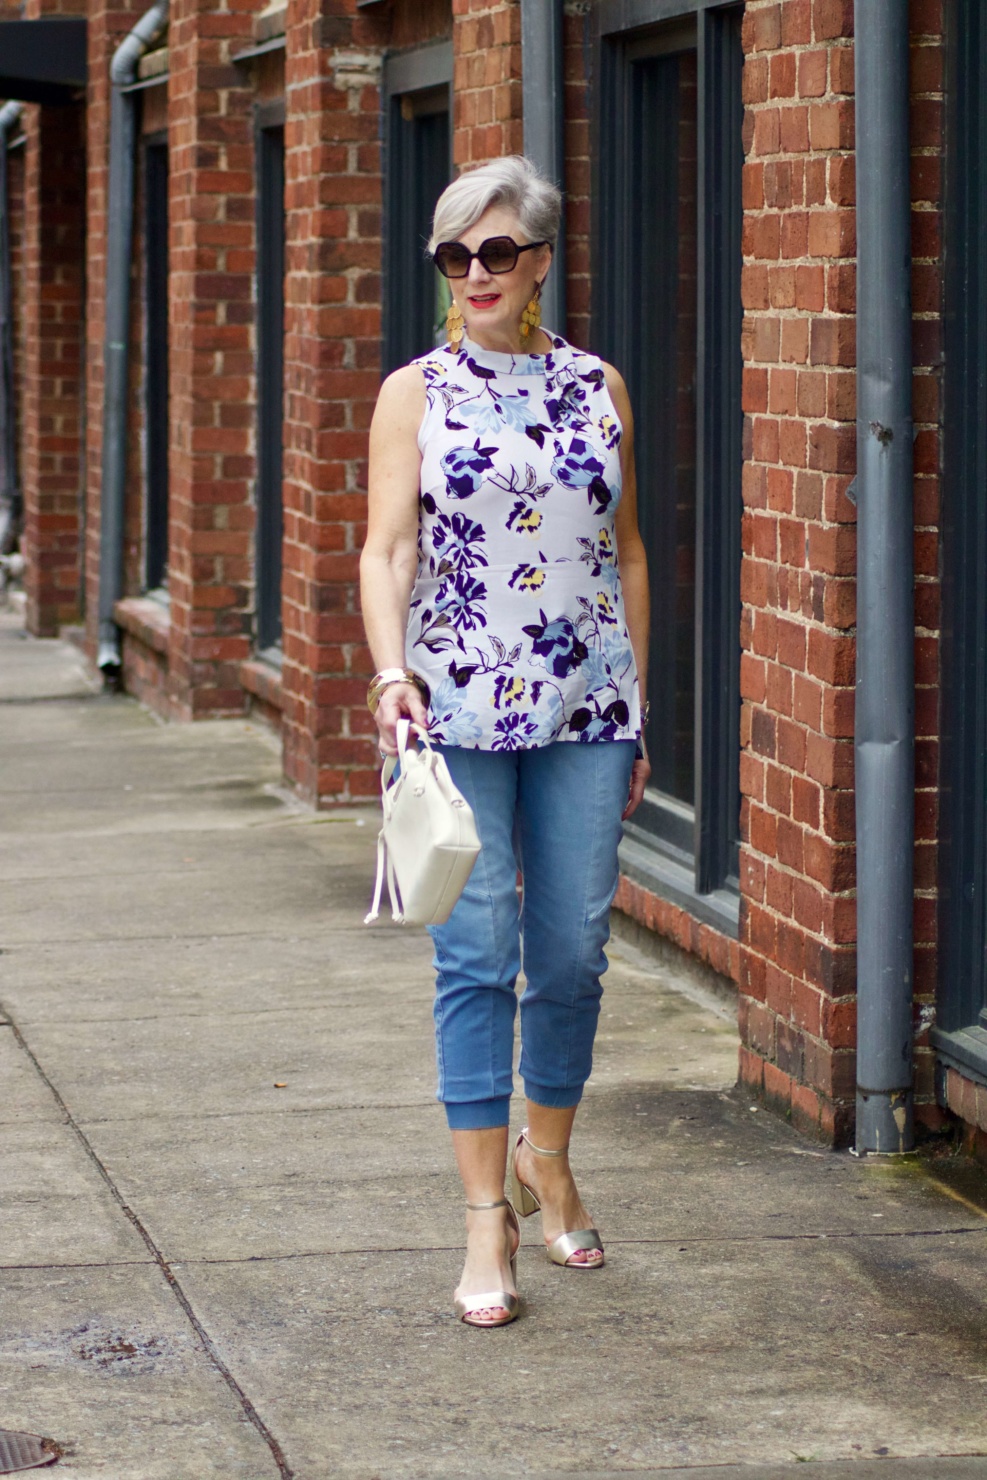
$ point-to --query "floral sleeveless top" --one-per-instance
(516, 619)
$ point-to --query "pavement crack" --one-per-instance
(208, 1345)
(612, 1243)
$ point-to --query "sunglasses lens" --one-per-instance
(452, 259)
(498, 254)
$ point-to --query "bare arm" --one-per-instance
(633, 562)
(389, 562)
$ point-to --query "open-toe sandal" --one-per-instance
(469, 1307)
(526, 1202)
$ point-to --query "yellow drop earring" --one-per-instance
(531, 318)
(455, 324)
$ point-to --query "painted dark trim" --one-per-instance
(156, 433)
(700, 839)
(963, 752)
(417, 166)
(719, 450)
(412, 71)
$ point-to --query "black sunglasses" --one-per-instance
(497, 254)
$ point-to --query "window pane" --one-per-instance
(416, 295)
(156, 365)
(662, 374)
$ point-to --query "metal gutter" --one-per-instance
(885, 705)
(543, 109)
(119, 247)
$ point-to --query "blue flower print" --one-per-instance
(457, 539)
(558, 643)
(513, 732)
(595, 671)
(458, 600)
(457, 726)
(464, 468)
(578, 467)
(605, 725)
(491, 416)
(582, 467)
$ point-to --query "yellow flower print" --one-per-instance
(609, 430)
(605, 610)
(527, 578)
(508, 692)
(530, 522)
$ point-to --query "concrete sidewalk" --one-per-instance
(207, 1275)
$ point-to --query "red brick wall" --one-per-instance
(332, 374)
(487, 117)
(797, 864)
(211, 356)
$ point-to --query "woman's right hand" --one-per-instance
(398, 701)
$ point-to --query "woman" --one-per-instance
(502, 501)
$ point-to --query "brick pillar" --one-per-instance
(211, 367)
(332, 375)
(50, 405)
(797, 1006)
(487, 113)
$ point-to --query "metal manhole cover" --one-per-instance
(24, 1451)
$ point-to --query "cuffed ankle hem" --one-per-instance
(478, 1115)
(552, 1099)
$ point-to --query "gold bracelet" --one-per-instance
(384, 679)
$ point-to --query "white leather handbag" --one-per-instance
(428, 843)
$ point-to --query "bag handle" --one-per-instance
(385, 867)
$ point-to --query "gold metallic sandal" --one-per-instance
(467, 1306)
(561, 1249)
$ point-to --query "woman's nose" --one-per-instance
(478, 273)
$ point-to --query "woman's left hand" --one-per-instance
(639, 780)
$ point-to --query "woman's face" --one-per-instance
(492, 303)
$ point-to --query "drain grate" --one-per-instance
(24, 1451)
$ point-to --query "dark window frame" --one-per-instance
(960, 1035)
(269, 535)
(155, 388)
(689, 854)
(417, 85)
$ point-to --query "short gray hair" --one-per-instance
(512, 181)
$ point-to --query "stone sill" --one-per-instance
(145, 619)
(263, 681)
(271, 22)
(666, 877)
(964, 1050)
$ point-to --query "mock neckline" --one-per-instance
(508, 364)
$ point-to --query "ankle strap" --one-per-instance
(540, 1150)
(484, 1207)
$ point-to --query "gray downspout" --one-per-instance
(543, 105)
(10, 493)
(885, 708)
(119, 245)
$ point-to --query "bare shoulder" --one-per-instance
(401, 398)
(618, 394)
